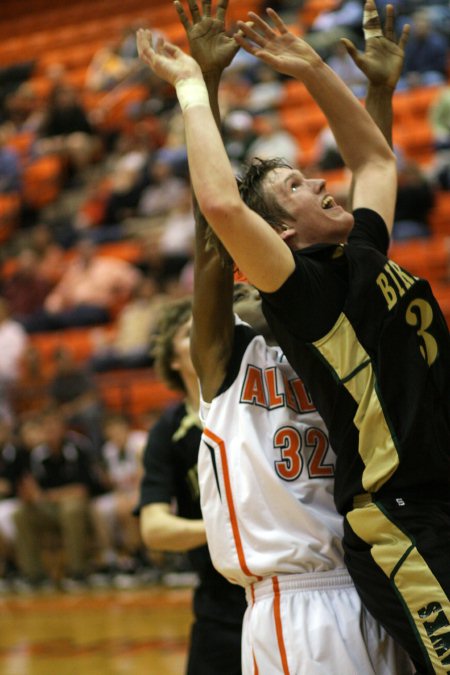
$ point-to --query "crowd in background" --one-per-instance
(129, 180)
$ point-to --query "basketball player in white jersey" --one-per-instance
(266, 471)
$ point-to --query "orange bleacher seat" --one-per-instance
(134, 392)
(10, 205)
(21, 143)
(127, 249)
(416, 140)
(42, 180)
(440, 214)
(426, 258)
(296, 95)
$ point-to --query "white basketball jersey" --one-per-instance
(266, 473)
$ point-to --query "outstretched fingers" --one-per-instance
(278, 21)
(206, 4)
(246, 31)
(389, 23)
(351, 49)
(145, 44)
(221, 11)
(404, 36)
(182, 14)
(262, 25)
(195, 12)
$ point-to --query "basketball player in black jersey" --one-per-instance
(368, 338)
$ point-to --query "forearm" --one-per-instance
(379, 107)
(167, 532)
(358, 138)
(211, 174)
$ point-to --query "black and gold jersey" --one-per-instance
(373, 347)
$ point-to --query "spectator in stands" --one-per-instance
(117, 530)
(107, 68)
(438, 12)
(67, 131)
(344, 66)
(23, 110)
(13, 343)
(26, 288)
(266, 91)
(163, 190)
(344, 20)
(92, 288)
(52, 260)
(74, 391)
(63, 476)
(274, 140)
(116, 193)
(415, 199)
(165, 270)
(128, 345)
(288, 9)
(238, 134)
(439, 120)
(10, 165)
(13, 468)
(326, 152)
(426, 54)
(177, 229)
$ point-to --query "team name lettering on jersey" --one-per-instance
(437, 627)
(394, 282)
(270, 389)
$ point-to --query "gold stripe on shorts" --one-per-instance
(417, 588)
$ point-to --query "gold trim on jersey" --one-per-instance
(341, 350)
(417, 587)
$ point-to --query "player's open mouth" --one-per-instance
(328, 202)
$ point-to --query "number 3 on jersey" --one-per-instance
(298, 449)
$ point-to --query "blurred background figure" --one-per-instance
(56, 501)
(415, 199)
(13, 344)
(26, 287)
(73, 390)
(90, 290)
(13, 470)
(426, 54)
(121, 554)
(128, 344)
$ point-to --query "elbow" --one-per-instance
(220, 212)
(152, 536)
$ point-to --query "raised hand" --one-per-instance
(278, 47)
(210, 46)
(382, 60)
(165, 59)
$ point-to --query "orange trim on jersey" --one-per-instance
(234, 523)
(278, 625)
(252, 591)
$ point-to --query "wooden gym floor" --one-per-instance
(113, 632)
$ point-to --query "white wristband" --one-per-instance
(190, 92)
(371, 24)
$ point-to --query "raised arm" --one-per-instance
(382, 64)
(213, 322)
(246, 236)
(363, 147)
